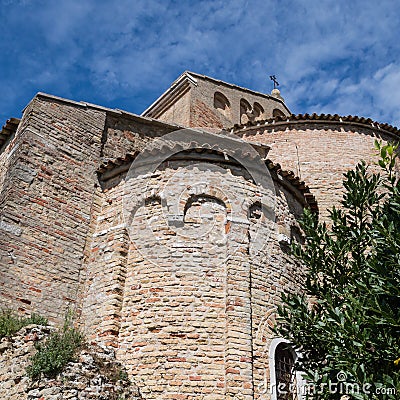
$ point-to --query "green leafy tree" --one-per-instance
(346, 325)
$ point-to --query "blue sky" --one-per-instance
(336, 56)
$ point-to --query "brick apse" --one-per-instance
(180, 267)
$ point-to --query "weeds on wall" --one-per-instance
(60, 348)
(10, 323)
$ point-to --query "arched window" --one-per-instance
(205, 217)
(285, 381)
(200, 208)
(277, 113)
(245, 111)
(153, 200)
(221, 103)
(284, 372)
(255, 211)
(258, 111)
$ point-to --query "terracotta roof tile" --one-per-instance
(319, 117)
(290, 180)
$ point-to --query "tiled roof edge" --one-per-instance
(319, 118)
(287, 177)
(8, 129)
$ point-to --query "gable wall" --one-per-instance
(179, 110)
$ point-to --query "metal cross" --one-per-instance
(273, 79)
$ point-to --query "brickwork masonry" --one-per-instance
(181, 297)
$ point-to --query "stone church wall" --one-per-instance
(188, 305)
(319, 153)
(187, 320)
(204, 114)
(47, 197)
(46, 205)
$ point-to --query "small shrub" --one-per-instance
(59, 349)
(117, 373)
(123, 376)
(112, 371)
(11, 323)
(36, 319)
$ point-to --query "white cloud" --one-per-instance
(334, 56)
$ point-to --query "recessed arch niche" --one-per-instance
(222, 104)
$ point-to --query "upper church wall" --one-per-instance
(207, 105)
(320, 151)
(198, 101)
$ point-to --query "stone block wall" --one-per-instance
(94, 374)
(103, 282)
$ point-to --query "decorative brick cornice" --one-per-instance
(287, 178)
(318, 119)
(291, 181)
